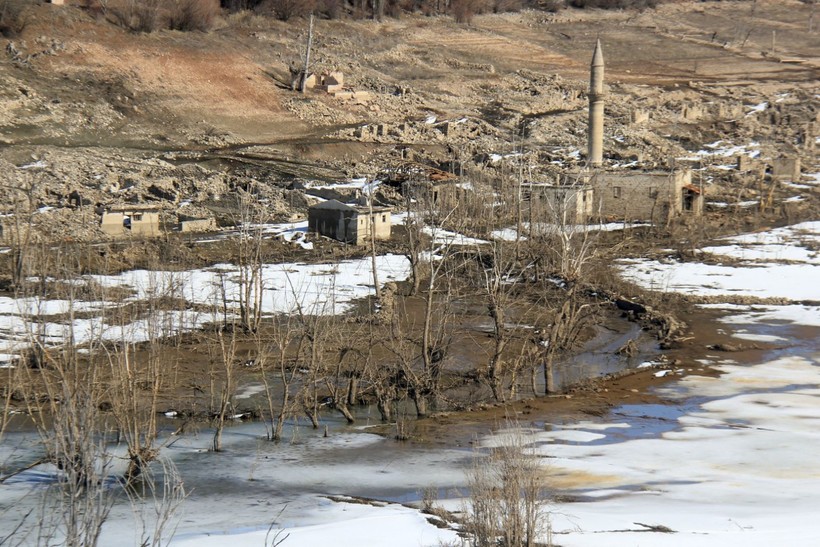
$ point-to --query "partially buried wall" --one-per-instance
(786, 169)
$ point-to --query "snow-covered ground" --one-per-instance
(344, 525)
(508, 234)
(286, 288)
(779, 263)
(734, 462)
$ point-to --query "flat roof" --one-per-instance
(132, 208)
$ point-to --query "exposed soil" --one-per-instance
(92, 115)
(106, 110)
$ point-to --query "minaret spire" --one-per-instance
(595, 137)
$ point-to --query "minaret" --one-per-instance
(595, 137)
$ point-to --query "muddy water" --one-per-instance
(247, 486)
(599, 356)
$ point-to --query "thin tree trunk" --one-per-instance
(303, 79)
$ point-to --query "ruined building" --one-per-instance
(654, 196)
(633, 195)
(558, 204)
(349, 223)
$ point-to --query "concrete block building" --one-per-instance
(134, 220)
(349, 223)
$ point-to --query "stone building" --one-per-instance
(557, 204)
(349, 223)
(134, 220)
(626, 195)
(645, 195)
(431, 188)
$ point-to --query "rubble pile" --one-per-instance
(194, 125)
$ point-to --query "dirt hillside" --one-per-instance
(108, 114)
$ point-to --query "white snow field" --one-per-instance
(735, 462)
(779, 263)
(346, 525)
(286, 288)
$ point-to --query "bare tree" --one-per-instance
(278, 372)
(381, 375)
(498, 284)
(369, 191)
(342, 380)
(223, 349)
(250, 261)
(413, 224)
(62, 394)
(19, 232)
(434, 336)
(559, 244)
(314, 333)
(138, 375)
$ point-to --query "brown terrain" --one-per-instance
(180, 120)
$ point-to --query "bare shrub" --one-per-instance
(136, 15)
(332, 9)
(508, 496)
(286, 10)
(233, 6)
(393, 8)
(96, 8)
(152, 15)
(463, 11)
(191, 15)
(245, 19)
(505, 6)
(554, 6)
